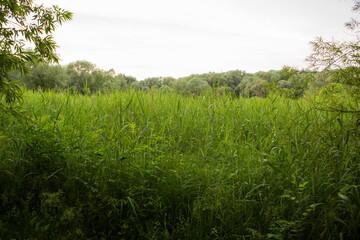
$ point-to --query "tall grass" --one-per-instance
(138, 165)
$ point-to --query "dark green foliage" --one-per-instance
(81, 76)
(196, 85)
(85, 77)
(153, 82)
(234, 78)
(287, 72)
(341, 61)
(45, 76)
(294, 83)
(168, 81)
(22, 21)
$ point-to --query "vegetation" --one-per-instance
(21, 22)
(78, 76)
(340, 61)
(207, 156)
(157, 166)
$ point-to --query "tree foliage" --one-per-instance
(45, 76)
(340, 62)
(22, 22)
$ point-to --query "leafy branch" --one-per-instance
(23, 22)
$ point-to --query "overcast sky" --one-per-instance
(147, 38)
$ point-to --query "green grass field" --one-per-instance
(135, 165)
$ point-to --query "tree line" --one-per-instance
(84, 77)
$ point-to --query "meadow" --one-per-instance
(149, 165)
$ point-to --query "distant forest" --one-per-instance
(85, 77)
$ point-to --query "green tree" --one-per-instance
(168, 81)
(197, 85)
(130, 79)
(292, 82)
(287, 72)
(252, 85)
(116, 83)
(80, 76)
(340, 61)
(153, 82)
(259, 88)
(45, 76)
(102, 79)
(242, 89)
(234, 78)
(166, 89)
(23, 22)
(213, 79)
(296, 85)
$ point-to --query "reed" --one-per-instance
(137, 165)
